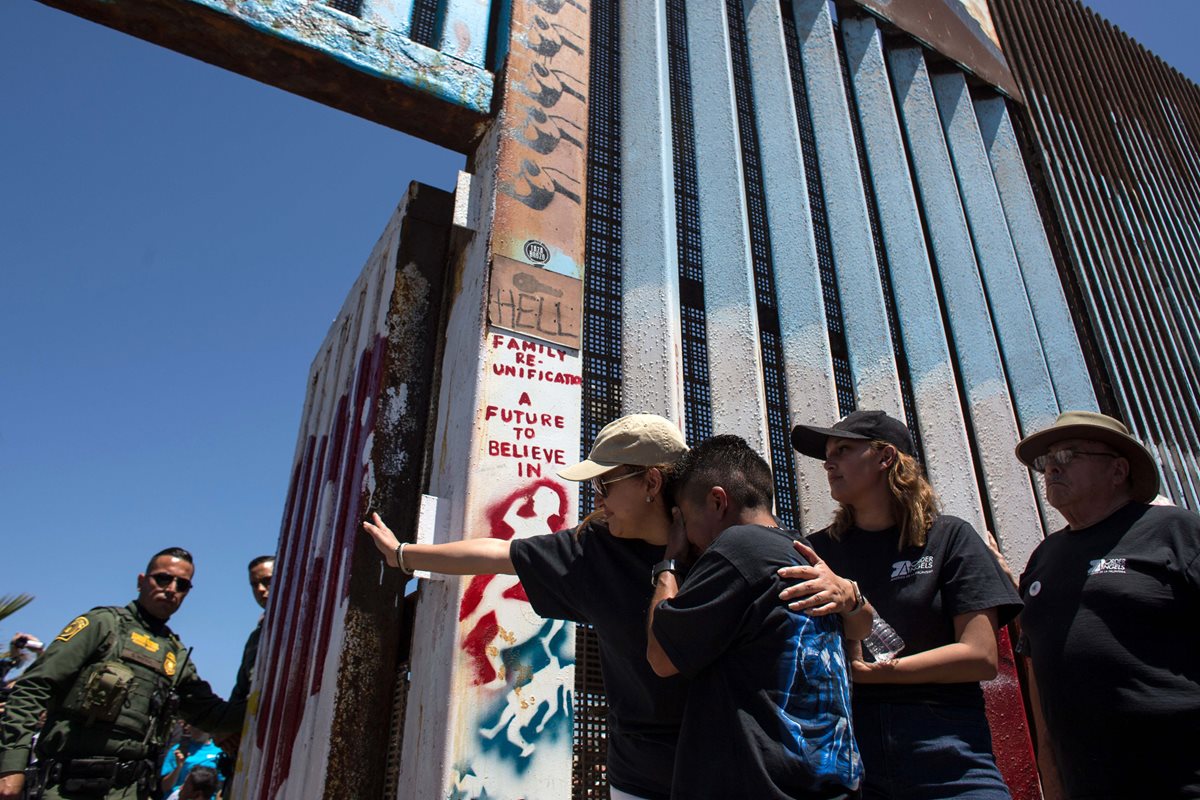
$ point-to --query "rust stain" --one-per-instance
(462, 35)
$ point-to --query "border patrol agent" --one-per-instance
(110, 684)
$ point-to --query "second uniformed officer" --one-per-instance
(109, 685)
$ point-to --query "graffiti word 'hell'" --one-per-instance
(532, 313)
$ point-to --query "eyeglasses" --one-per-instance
(1064, 457)
(600, 487)
(163, 580)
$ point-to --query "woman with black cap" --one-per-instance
(918, 717)
(603, 573)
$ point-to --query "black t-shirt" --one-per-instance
(768, 713)
(919, 591)
(1110, 624)
(599, 579)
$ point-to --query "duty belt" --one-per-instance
(95, 775)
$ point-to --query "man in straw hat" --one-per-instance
(1111, 603)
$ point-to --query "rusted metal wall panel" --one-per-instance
(1117, 133)
(961, 30)
(334, 624)
(490, 706)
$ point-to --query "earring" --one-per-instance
(649, 499)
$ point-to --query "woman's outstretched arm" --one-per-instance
(486, 556)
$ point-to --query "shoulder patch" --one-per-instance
(77, 624)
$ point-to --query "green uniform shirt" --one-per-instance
(144, 644)
(241, 689)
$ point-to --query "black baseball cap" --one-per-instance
(869, 425)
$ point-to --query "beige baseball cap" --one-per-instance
(639, 439)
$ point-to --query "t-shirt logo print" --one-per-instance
(909, 569)
(1101, 565)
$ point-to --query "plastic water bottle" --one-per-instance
(883, 643)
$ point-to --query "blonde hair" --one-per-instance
(914, 504)
(667, 470)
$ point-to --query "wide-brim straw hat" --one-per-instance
(643, 440)
(1143, 471)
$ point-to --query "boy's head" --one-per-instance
(722, 482)
(201, 784)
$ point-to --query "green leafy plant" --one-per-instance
(11, 604)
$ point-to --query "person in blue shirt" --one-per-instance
(194, 750)
(768, 709)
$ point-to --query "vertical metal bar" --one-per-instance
(990, 408)
(649, 252)
(935, 387)
(603, 367)
(802, 322)
(697, 395)
(1056, 330)
(776, 399)
(1093, 225)
(1025, 366)
(734, 358)
(872, 360)
(1131, 293)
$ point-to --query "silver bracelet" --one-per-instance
(400, 559)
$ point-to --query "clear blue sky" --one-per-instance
(174, 242)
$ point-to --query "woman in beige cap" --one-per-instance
(600, 573)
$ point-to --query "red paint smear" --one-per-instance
(516, 592)
(346, 530)
(286, 548)
(1010, 730)
(281, 720)
(352, 508)
(278, 607)
(473, 596)
(476, 642)
(313, 593)
(286, 729)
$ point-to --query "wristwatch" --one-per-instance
(667, 565)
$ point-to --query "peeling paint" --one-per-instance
(365, 45)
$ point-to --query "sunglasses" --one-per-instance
(601, 487)
(162, 580)
(1064, 457)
